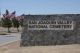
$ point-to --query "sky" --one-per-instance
(41, 6)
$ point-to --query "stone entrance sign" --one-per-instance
(51, 30)
(50, 25)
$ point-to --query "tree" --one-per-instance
(6, 22)
(7, 12)
(15, 23)
(21, 19)
(0, 23)
(21, 22)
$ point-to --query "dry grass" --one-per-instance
(14, 45)
(3, 31)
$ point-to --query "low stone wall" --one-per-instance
(50, 37)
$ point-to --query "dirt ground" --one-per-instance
(15, 48)
(12, 30)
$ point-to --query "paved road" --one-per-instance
(5, 39)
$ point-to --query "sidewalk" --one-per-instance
(5, 39)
